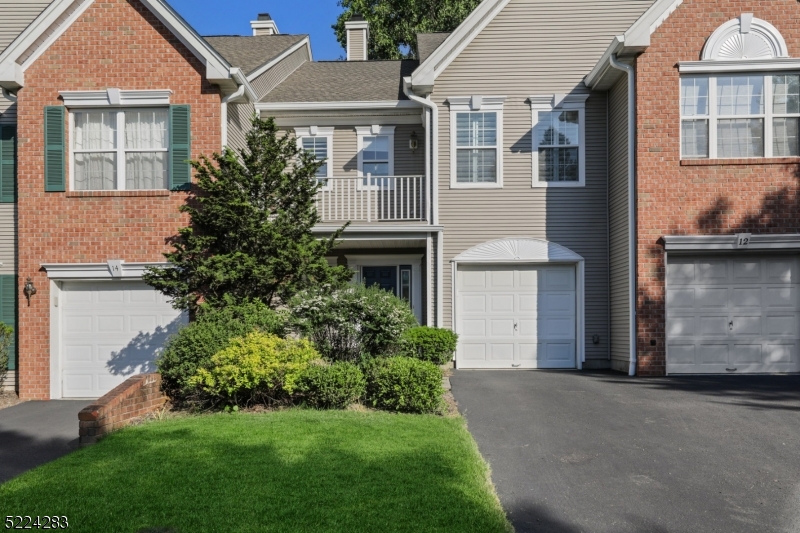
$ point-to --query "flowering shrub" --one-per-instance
(352, 323)
(258, 368)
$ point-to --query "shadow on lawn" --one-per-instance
(168, 482)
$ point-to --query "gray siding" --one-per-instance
(271, 78)
(15, 16)
(618, 223)
(8, 231)
(536, 47)
(8, 111)
(239, 116)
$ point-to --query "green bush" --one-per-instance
(6, 341)
(404, 384)
(332, 386)
(430, 344)
(353, 323)
(257, 368)
(211, 331)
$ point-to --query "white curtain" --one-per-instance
(95, 131)
(146, 136)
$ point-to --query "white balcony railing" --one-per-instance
(373, 199)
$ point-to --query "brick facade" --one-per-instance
(698, 198)
(115, 43)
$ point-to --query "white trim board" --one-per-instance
(112, 269)
(722, 243)
(116, 97)
(306, 41)
(476, 104)
(339, 105)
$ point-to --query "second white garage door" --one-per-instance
(516, 316)
(110, 330)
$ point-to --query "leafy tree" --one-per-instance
(250, 235)
(6, 340)
(394, 24)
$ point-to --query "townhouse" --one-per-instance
(565, 184)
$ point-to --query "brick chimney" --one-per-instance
(357, 38)
(264, 25)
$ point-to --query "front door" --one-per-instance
(384, 277)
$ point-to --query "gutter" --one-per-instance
(628, 69)
(238, 76)
(432, 171)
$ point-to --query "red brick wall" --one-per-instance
(115, 43)
(132, 400)
(705, 199)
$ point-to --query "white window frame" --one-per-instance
(552, 103)
(374, 131)
(475, 104)
(713, 116)
(120, 150)
(319, 132)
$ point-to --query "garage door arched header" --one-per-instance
(518, 249)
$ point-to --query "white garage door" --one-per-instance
(516, 317)
(110, 330)
(733, 314)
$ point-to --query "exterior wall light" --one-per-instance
(413, 142)
(29, 290)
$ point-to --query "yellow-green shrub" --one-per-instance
(257, 368)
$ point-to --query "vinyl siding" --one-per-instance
(271, 78)
(15, 16)
(618, 223)
(53, 29)
(536, 47)
(10, 383)
(8, 232)
(8, 111)
(239, 116)
(355, 43)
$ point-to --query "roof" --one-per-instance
(344, 81)
(428, 42)
(250, 52)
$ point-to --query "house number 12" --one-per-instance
(743, 240)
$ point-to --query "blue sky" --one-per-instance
(232, 17)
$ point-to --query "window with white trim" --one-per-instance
(476, 141)
(318, 141)
(376, 152)
(559, 140)
(120, 149)
(740, 116)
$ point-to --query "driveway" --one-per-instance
(34, 433)
(600, 452)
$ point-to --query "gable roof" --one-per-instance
(427, 43)
(15, 17)
(60, 15)
(344, 81)
(251, 52)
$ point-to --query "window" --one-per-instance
(120, 149)
(740, 116)
(376, 153)
(476, 141)
(319, 141)
(319, 147)
(558, 137)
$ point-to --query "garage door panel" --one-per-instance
(781, 353)
(681, 298)
(110, 324)
(680, 271)
(711, 298)
(530, 279)
(474, 303)
(79, 353)
(746, 325)
(747, 271)
(559, 279)
(474, 328)
(682, 354)
(781, 297)
(683, 326)
(782, 326)
(784, 271)
(145, 323)
(713, 354)
(502, 351)
(78, 324)
(746, 297)
(471, 279)
(530, 351)
(144, 297)
(563, 328)
(529, 328)
(563, 353)
(501, 327)
(501, 279)
(712, 326)
(746, 354)
(78, 384)
(559, 303)
(712, 272)
(110, 295)
(501, 303)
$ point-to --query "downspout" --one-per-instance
(9, 96)
(224, 112)
(628, 69)
(432, 171)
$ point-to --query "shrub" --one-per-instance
(332, 386)
(404, 384)
(6, 341)
(211, 331)
(352, 323)
(430, 344)
(257, 368)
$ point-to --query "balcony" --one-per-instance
(372, 199)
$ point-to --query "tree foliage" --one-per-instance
(250, 236)
(394, 24)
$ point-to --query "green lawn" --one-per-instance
(288, 471)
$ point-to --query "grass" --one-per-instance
(288, 471)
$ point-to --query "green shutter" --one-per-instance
(180, 148)
(8, 313)
(8, 164)
(54, 162)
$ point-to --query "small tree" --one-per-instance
(250, 236)
(6, 340)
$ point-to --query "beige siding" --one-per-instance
(355, 45)
(536, 47)
(270, 79)
(52, 30)
(8, 231)
(8, 111)
(239, 116)
(15, 16)
(618, 223)
(10, 383)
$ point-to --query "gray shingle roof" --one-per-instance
(344, 81)
(248, 53)
(428, 42)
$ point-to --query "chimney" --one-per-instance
(264, 25)
(357, 38)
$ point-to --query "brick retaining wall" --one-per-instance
(132, 400)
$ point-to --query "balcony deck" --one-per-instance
(374, 200)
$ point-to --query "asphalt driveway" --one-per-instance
(599, 452)
(34, 433)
